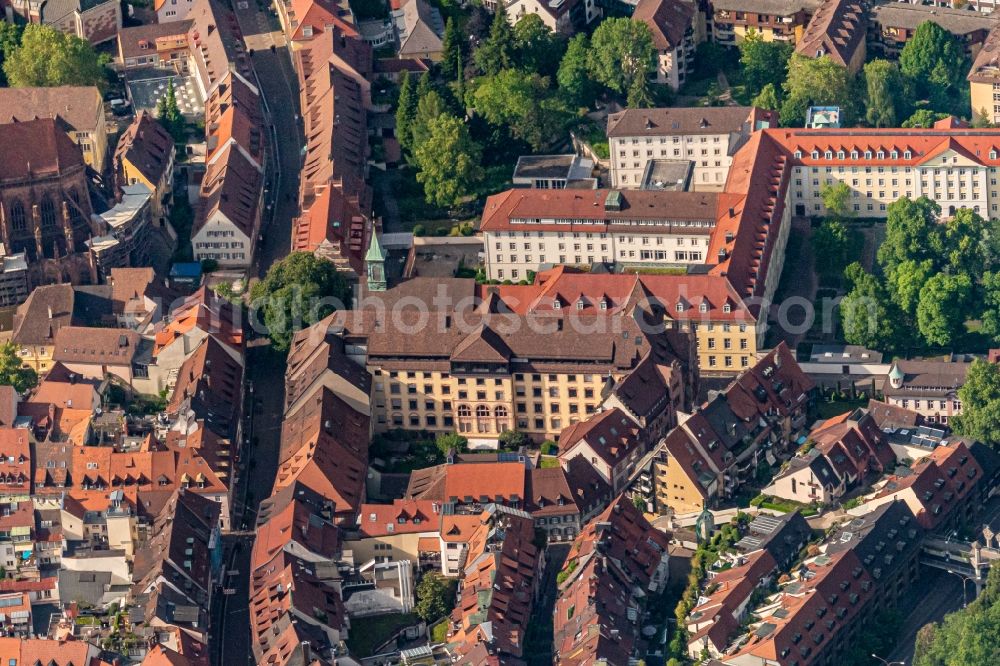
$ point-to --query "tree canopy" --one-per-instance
(980, 396)
(923, 118)
(867, 317)
(47, 57)
(11, 372)
(815, 82)
(449, 161)
(888, 94)
(764, 63)
(435, 596)
(538, 49)
(969, 637)
(622, 56)
(934, 60)
(524, 103)
(944, 305)
(574, 77)
(497, 51)
(297, 292)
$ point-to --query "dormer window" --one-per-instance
(894, 154)
(604, 304)
(854, 154)
(828, 155)
(556, 304)
(868, 154)
(680, 307)
(703, 307)
(993, 154)
(798, 154)
(840, 154)
(727, 308)
(579, 304)
(815, 154)
(880, 155)
(907, 154)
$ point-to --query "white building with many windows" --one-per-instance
(706, 136)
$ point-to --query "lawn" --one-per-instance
(783, 505)
(827, 410)
(548, 462)
(439, 632)
(369, 633)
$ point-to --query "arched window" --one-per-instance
(500, 412)
(74, 210)
(483, 421)
(48, 212)
(17, 216)
(463, 410)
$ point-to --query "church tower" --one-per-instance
(375, 265)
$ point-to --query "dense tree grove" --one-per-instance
(931, 278)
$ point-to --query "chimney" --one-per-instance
(732, 212)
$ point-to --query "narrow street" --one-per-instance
(265, 368)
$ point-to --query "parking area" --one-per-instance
(146, 89)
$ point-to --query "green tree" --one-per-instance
(944, 305)
(406, 111)
(980, 396)
(449, 161)
(574, 77)
(768, 98)
(537, 48)
(837, 200)
(906, 281)
(969, 637)
(887, 94)
(924, 118)
(451, 50)
(991, 305)
(449, 441)
(815, 82)
(169, 114)
(48, 57)
(911, 232)
(10, 41)
(435, 597)
(297, 292)
(429, 107)
(867, 316)
(497, 51)
(622, 56)
(524, 103)
(971, 244)
(11, 372)
(512, 440)
(764, 63)
(832, 243)
(981, 119)
(934, 60)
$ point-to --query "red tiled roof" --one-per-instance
(401, 517)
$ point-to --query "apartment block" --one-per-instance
(711, 454)
(774, 20)
(464, 369)
(708, 137)
(894, 23)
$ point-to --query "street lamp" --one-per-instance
(965, 579)
(888, 663)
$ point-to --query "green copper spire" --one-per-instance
(375, 264)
